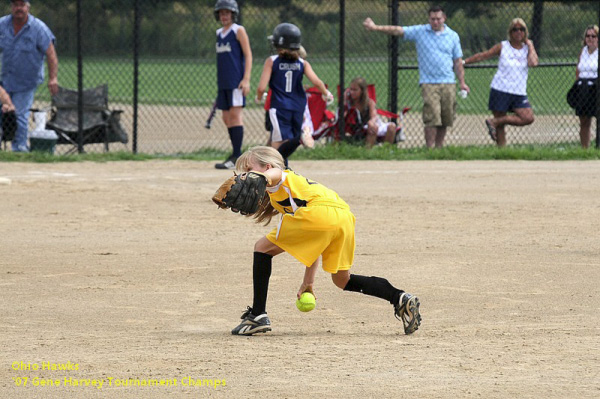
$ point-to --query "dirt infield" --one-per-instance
(126, 274)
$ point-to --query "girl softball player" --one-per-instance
(315, 223)
(234, 65)
(283, 73)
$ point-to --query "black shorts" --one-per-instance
(586, 97)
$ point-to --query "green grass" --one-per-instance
(555, 152)
(187, 82)
(344, 151)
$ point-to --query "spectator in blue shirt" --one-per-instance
(25, 41)
(440, 58)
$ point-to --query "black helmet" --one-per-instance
(287, 36)
(230, 5)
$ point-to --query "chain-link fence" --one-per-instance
(556, 31)
(171, 45)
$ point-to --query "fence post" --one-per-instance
(537, 25)
(240, 8)
(136, 57)
(598, 91)
(79, 82)
(341, 126)
(393, 61)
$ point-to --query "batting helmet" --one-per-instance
(287, 36)
(230, 5)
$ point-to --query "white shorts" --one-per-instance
(382, 127)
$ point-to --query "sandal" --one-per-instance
(491, 130)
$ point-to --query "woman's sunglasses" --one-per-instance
(517, 30)
(592, 36)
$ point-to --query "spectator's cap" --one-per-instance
(24, 1)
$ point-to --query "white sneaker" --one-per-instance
(400, 136)
(229, 163)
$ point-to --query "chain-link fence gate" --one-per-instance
(171, 45)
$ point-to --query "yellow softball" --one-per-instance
(306, 303)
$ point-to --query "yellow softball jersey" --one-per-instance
(315, 221)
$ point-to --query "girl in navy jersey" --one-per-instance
(283, 73)
(234, 64)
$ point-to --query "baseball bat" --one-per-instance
(211, 116)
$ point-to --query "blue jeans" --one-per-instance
(23, 100)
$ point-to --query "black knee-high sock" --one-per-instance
(286, 149)
(374, 286)
(261, 272)
(236, 134)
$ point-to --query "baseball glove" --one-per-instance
(242, 193)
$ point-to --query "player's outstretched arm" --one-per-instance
(387, 29)
(484, 55)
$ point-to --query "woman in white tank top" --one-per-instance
(509, 87)
(586, 75)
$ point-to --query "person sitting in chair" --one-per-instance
(360, 114)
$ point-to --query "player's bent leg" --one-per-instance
(406, 306)
(267, 247)
(341, 278)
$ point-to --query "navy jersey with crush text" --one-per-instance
(230, 59)
(286, 84)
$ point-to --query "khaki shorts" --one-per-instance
(439, 104)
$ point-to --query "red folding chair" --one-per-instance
(323, 120)
(354, 126)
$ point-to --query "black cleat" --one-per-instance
(407, 310)
(229, 163)
(252, 324)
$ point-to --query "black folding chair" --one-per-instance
(9, 128)
(100, 124)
